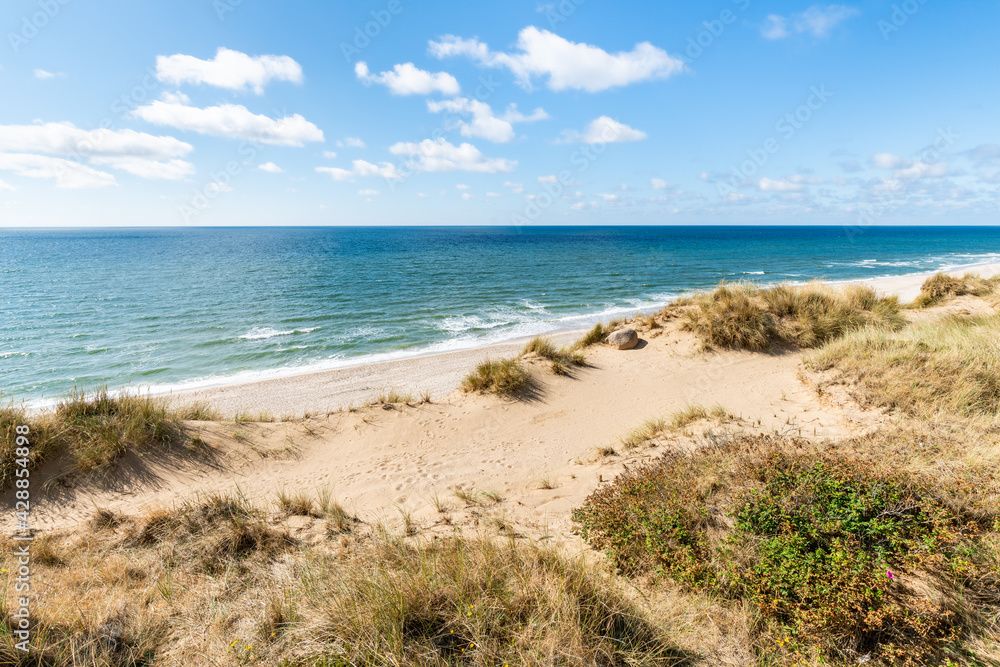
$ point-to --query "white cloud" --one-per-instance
(516, 188)
(386, 170)
(336, 173)
(229, 69)
(484, 123)
(42, 74)
(817, 21)
(350, 142)
(367, 193)
(887, 161)
(329, 154)
(568, 65)
(441, 155)
(604, 130)
(551, 178)
(233, 121)
(169, 170)
(909, 169)
(462, 186)
(68, 139)
(781, 185)
(466, 196)
(145, 155)
(407, 79)
(65, 173)
(7, 187)
(270, 167)
(491, 195)
(608, 197)
(422, 195)
(659, 184)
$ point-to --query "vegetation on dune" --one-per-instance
(941, 287)
(92, 431)
(745, 316)
(948, 364)
(561, 359)
(504, 377)
(216, 577)
(841, 557)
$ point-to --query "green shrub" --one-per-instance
(839, 558)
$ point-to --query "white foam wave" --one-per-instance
(263, 333)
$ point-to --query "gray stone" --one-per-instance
(623, 339)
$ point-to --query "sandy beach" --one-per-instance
(440, 374)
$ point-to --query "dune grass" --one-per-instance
(745, 316)
(680, 419)
(560, 358)
(844, 559)
(950, 364)
(941, 287)
(503, 377)
(92, 431)
(216, 576)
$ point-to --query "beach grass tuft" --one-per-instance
(940, 287)
(502, 377)
(560, 358)
(745, 316)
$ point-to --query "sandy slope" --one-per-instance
(382, 462)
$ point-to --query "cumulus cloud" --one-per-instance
(551, 178)
(909, 169)
(441, 155)
(65, 173)
(817, 21)
(658, 184)
(780, 185)
(516, 188)
(42, 74)
(605, 130)
(462, 186)
(566, 65)
(233, 121)
(483, 122)
(7, 187)
(408, 79)
(144, 155)
(350, 142)
(329, 154)
(229, 69)
(386, 170)
(270, 167)
(367, 193)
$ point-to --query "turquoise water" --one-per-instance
(175, 308)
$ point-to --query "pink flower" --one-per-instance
(889, 574)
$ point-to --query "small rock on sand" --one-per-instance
(623, 339)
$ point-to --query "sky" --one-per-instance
(411, 112)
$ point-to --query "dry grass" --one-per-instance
(505, 377)
(92, 431)
(561, 359)
(950, 364)
(941, 287)
(655, 429)
(745, 316)
(216, 577)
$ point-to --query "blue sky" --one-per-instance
(246, 112)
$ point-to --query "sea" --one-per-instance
(185, 308)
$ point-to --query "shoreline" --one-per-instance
(440, 373)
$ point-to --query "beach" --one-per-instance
(440, 374)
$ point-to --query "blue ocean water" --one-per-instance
(188, 307)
